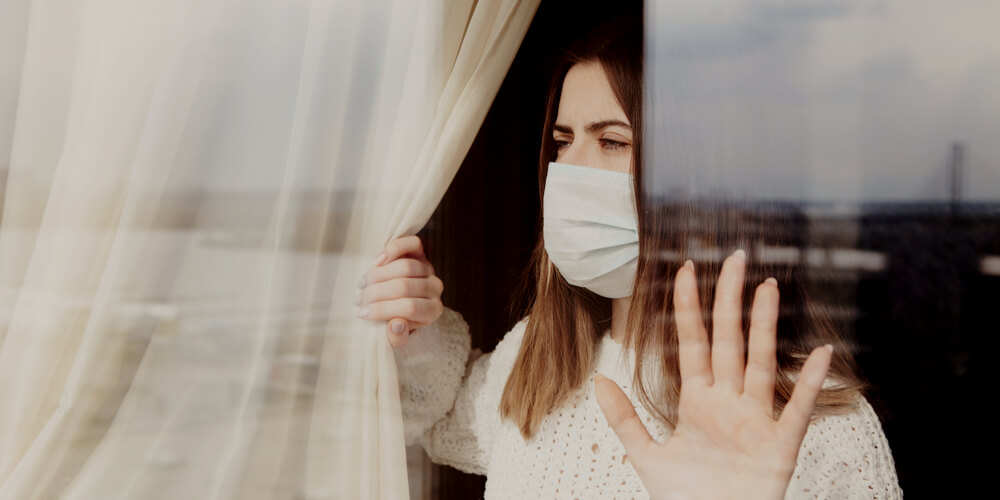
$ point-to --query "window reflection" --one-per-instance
(868, 130)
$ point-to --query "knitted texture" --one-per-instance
(450, 405)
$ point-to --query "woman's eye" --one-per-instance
(612, 144)
(561, 144)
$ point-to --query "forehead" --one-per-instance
(587, 96)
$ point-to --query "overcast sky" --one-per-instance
(825, 99)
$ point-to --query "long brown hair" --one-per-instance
(565, 321)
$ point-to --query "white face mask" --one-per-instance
(590, 228)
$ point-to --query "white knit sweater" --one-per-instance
(451, 399)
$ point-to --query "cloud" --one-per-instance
(822, 100)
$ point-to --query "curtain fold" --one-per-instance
(194, 189)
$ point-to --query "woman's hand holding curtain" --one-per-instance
(727, 443)
(401, 289)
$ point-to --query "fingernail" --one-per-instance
(397, 327)
(362, 313)
(689, 264)
(829, 348)
(740, 253)
(357, 301)
(771, 281)
(379, 259)
(363, 282)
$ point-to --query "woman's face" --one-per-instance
(591, 129)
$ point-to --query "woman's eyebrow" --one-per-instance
(592, 127)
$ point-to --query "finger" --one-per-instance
(692, 339)
(398, 331)
(621, 417)
(418, 312)
(795, 417)
(761, 360)
(727, 323)
(404, 245)
(399, 288)
(400, 268)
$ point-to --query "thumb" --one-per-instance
(398, 331)
(621, 416)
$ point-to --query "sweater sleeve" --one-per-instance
(845, 456)
(450, 396)
(429, 368)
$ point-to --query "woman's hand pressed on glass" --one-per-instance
(401, 289)
(727, 443)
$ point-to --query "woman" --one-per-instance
(534, 415)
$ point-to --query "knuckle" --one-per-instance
(410, 307)
(407, 244)
(683, 301)
(732, 299)
(414, 268)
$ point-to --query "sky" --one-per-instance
(824, 100)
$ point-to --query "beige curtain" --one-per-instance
(191, 191)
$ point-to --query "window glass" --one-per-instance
(860, 139)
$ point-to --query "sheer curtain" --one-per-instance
(191, 191)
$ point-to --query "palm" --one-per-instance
(726, 443)
(722, 443)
